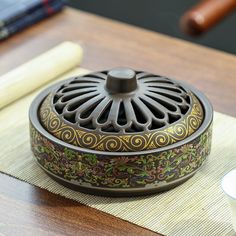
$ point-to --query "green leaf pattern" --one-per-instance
(123, 171)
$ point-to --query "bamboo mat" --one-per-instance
(197, 207)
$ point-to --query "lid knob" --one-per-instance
(121, 80)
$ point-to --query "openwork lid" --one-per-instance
(121, 110)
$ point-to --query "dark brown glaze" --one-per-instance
(110, 172)
(152, 112)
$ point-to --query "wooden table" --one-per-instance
(26, 209)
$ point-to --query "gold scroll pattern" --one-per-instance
(117, 142)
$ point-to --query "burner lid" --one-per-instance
(121, 110)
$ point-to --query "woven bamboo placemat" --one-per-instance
(198, 207)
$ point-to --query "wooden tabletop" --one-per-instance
(28, 210)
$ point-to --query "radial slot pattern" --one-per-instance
(158, 102)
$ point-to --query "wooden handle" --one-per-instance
(39, 71)
(205, 15)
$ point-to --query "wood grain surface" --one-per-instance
(27, 210)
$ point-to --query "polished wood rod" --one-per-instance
(205, 15)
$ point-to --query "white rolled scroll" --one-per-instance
(39, 71)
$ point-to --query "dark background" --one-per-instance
(162, 16)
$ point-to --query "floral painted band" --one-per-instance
(134, 171)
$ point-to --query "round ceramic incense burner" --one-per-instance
(120, 132)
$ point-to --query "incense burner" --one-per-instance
(121, 132)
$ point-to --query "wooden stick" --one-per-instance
(205, 15)
(39, 71)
